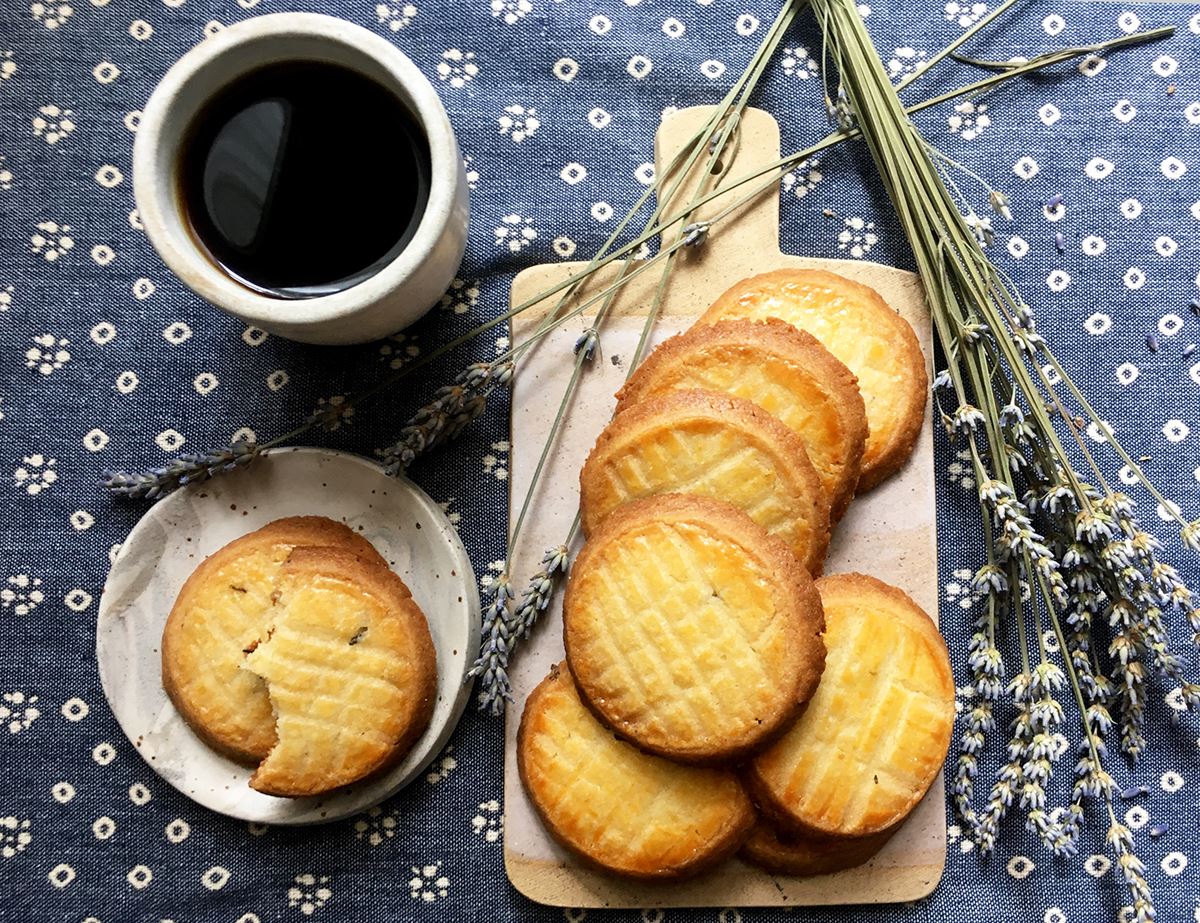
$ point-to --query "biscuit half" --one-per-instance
(855, 324)
(351, 672)
(782, 369)
(622, 810)
(808, 855)
(872, 739)
(223, 609)
(709, 445)
(690, 631)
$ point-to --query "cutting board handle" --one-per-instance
(748, 237)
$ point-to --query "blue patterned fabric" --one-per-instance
(106, 360)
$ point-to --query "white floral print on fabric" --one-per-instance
(112, 361)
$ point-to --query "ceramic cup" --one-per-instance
(391, 299)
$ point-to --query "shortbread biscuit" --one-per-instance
(808, 855)
(785, 371)
(856, 325)
(690, 631)
(872, 739)
(620, 809)
(224, 608)
(350, 669)
(710, 445)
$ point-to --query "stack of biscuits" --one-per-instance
(718, 694)
(297, 650)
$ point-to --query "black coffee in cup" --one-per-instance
(303, 179)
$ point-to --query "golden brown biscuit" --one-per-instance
(222, 609)
(620, 809)
(875, 734)
(856, 325)
(808, 855)
(350, 669)
(709, 445)
(690, 631)
(782, 369)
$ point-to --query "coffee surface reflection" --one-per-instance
(303, 179)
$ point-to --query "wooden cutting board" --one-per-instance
(889, 533)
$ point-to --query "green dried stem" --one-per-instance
(1044, 520)
(715, 137)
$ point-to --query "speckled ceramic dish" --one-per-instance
(397, 517)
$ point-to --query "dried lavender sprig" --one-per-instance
(1131, 869)
(492, 662)
(452, 408)
(189, 468)
(536, 596)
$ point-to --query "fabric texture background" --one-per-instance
(106, 360)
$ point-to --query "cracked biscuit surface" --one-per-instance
(224, 609)
(855, 324)
(620, 809)
(690, 631)
(350, 669)
(874, 735)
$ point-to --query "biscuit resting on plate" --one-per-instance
(223, 609)
(690, 631)
(350, 669)
(855, 324)
(710, 445)
(875, 734)
(782, 369)
(620, 809)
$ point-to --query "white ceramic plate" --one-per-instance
(397, 517)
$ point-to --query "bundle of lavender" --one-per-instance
(1069, 570)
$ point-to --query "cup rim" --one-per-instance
(159, 212)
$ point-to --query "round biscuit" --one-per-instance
(872, 739)
(785, 371)
(220, 611)
(855, 324)
(350, 669)
(690, 631)
(622, 810)
(714, 445)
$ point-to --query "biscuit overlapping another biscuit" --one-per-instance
(855, 324)
(711, 445)
(225, 608)
(620, 809)
(808, 855)
(350, 669)
(690, 631)
(872, 739)
(786, 372)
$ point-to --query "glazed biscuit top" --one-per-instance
(690, 630)
(711, 445)
(623, 809)
(782, 369)
(876, 732)
(855, 324)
